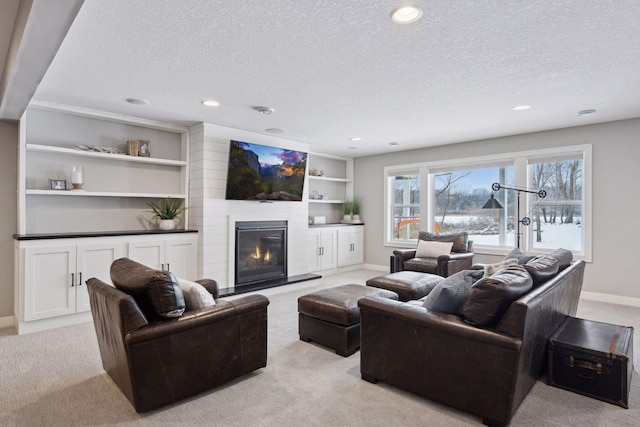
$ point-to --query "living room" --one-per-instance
(611, 132)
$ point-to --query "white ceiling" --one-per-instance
(333, 70)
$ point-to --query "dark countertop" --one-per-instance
(338, 224)
(45, 236)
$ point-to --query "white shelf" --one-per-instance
(325, 201)
(72, 193)
(325, 178)
(109, 156)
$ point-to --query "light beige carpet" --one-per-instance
(55, 378)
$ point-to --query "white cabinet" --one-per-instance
(52, 270)
(322, 248)
(177, 255)
(350, 245)
(54, 276)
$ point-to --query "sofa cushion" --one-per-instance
(491, 269)
(542, 268)
(423, 265)
(459, 240)
(447, 295)
(428, 249)
(490, 297)
(157, 292)
(195, 295)
(518, 255)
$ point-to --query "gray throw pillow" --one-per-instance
(447, 295)
(518, 255)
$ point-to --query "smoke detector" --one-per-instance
(264, 110)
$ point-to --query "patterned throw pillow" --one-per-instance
(447, 295)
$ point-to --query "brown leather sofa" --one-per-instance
(159, 360)
(487, 370)
(460, 258)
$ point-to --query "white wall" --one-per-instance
(9, 223)
(210, 213)
(612, 275)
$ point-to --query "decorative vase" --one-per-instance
(356, 217)
(167, 224)
(347, 217)
(77, 178)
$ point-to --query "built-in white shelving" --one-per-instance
(75, 193)
(117, 186)
(106, 156)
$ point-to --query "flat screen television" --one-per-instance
(261, 172)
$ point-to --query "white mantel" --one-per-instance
(215, 217)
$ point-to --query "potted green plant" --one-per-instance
(166, 210)
(355, 210)
(347, 207)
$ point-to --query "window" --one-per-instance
(404, 189)
(458, 198)
(557, 219)
(449, 196)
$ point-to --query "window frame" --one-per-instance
(520, 161)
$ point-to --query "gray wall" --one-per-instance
(616, 172)
(9, 223)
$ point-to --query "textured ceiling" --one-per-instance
(333, 70)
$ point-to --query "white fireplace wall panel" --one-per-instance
(215, 217)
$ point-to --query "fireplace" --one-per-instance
(260, 252)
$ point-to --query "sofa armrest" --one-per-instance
(454, 262)
(399, 257)
(197, 318)
(211, 286)
(453, 256)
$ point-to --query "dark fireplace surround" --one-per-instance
(261, 257)
(260, 252)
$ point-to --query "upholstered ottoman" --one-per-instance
(331, 317)
(409, 285)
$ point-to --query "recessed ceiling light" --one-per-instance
(586, 112)
(274, 130)
(137, 101)
(406, 14)
(210, 103)
(352, 148)
(521, 107)
(264, 110)
(355, 138)
(394, 143)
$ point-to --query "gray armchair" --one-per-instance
(460, 258)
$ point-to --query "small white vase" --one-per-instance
(167, 224)
(356, 217)
(347, 217)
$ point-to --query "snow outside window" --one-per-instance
(448, 196)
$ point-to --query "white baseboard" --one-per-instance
(6, 321)
(611, 299)
(376, 267)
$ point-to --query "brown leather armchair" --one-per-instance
(156, 361)
(460, 258)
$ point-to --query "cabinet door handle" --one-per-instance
(80, 279)
(73, 279)
(168, 267)
(162, 267)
